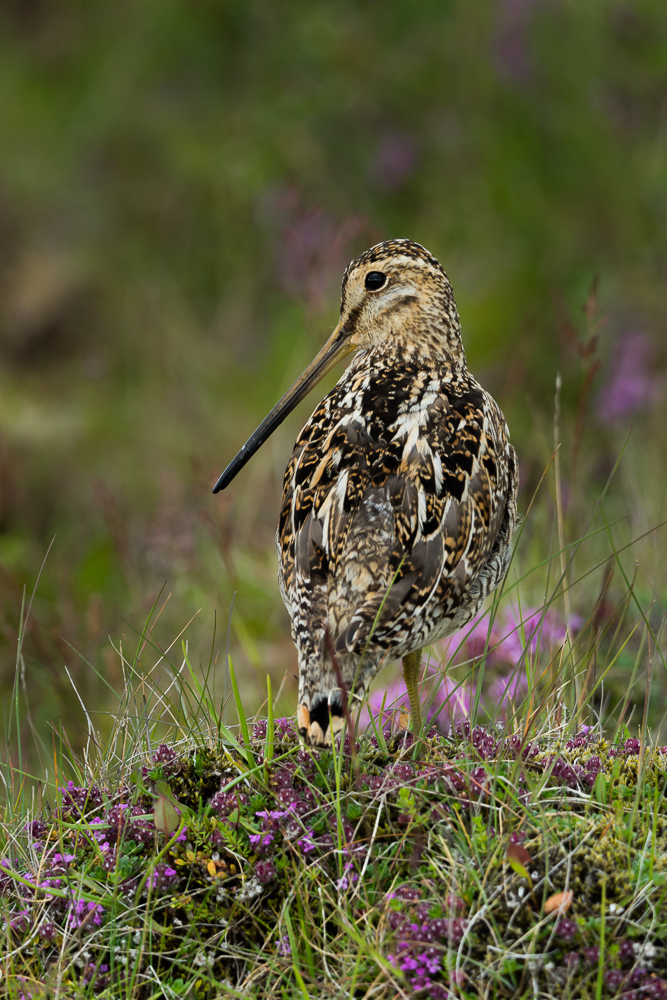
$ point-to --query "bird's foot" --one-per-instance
(319, 727)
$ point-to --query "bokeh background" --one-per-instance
(181, 185)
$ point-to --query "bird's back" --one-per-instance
(392, 504)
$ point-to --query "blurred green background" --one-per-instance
(181, 185)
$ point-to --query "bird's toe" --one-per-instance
(319, 724)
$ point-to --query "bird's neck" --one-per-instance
(425, 351)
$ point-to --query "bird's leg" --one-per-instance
(411, 665)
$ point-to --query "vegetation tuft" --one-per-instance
(458, 865)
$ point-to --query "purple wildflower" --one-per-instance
(283, 946)
(539, 627)
(284, 727)
(225, 803)
(259, 730)
(78, 801)
(451, 704)
(21, 921)
(613, 978)
(509, 687)
(348, 878)
(306, 843)
(273, 813)
(61, 861)
(36, 829)
(404, 892)
(566, 929)
(260, 840)
(265, 871)
(343, 883)
(164, 755)
(162, 877)
(626, 952)
(632, 385)
(82, 913)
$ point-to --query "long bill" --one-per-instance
(337, 346)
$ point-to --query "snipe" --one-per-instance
(399, 500)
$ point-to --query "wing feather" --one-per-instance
(392, 502)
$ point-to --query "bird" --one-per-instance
(399, 502)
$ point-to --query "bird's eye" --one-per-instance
(375, 280)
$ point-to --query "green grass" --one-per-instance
(194, 854)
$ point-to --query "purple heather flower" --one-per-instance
(349, 877)
(476, 639)
(259, 730)
(284, 727)
(283, 946)
(405, 892)
(77, 799)
(261, 840)
(633, 385)
(162, 877)
(61, 860)
(20, 921)
(505, 645)
(225, 803)
(265, 871)
(613, 978)
(274, 813)
(36, 829)
(306, 843)
(625, 950)
(85, 913)
(637, 976)
(509, 687)
(540, 627)
(164, 755)
(566, 929)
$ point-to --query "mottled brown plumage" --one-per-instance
(399, 500)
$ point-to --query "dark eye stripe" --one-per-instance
(375, 280)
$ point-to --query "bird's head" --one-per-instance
(395, 297)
